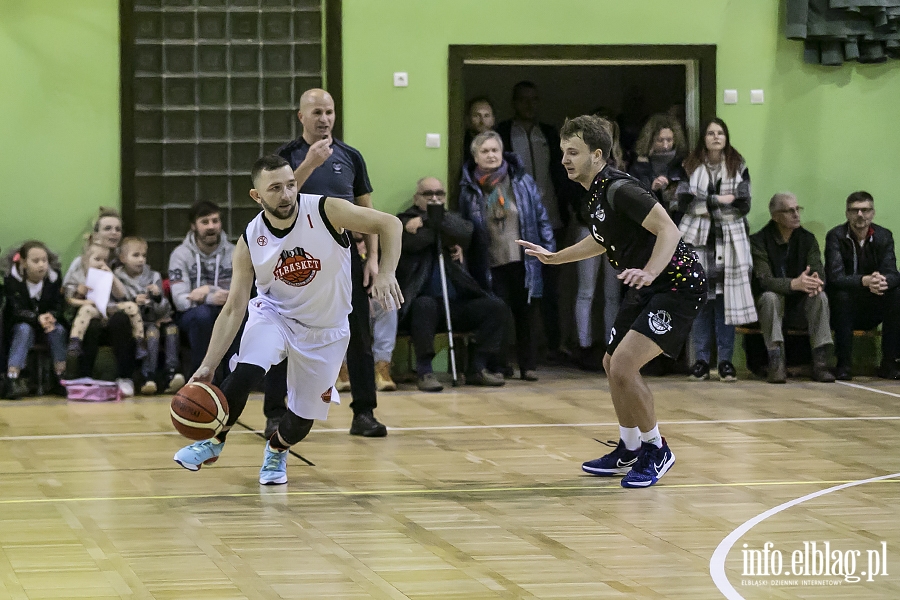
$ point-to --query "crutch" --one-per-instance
(435, 217)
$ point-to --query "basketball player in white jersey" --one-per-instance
(298, 249)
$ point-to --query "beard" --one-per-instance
(279, 212)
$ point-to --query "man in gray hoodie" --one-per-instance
(200, 276)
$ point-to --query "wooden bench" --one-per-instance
(753, 329)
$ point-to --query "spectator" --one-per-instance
(788, 287)
(200, 277)
(121, 325)
(715, 201)
(35, 304)
(144, 287)
(660, 150)
(471, 308)
(326, 166)
(479, 118)
(106, 232)
(863, 285)
(504, 204)
(537, 146)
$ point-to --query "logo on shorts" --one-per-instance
(660, 322)
(297, 267)
(326, 396)
(612, 335)
(262, 240)
(600, 214)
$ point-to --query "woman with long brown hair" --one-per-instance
(715, 200)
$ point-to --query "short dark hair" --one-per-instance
(269, 162)
(522, 85)
(859, 196)
(203, 208)
(475, 101)
(595, 131)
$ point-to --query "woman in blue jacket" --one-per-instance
(504, 204)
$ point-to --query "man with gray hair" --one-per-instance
(788, 287)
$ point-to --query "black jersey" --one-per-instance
(618, 228)
(343, 175)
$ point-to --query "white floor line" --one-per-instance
(14, 438)
(868, 389)
(717, 562)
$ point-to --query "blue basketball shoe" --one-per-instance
(652, 464)
(274, 469)
(617, 462)
(198, 454)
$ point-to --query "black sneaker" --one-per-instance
(366, 425)
(888, 370)
(652, 465)
(727, 372)
(700, 371)
(16, 389)
(486, 378)
(843, 373)
(618, 462)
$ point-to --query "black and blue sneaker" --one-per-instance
(651, 465)
(617, 462)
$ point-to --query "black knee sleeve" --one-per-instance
(237, 387)
(291, 430)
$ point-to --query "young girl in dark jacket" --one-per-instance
(34, 306)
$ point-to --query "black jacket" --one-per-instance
(846, 262)
(22, 308)
(802, 251)
(568, 192)
(419, 254)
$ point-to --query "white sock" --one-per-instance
(631, 436)
(653, 437)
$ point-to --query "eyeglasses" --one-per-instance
(795, 210)
(435, 193)
(865, 211)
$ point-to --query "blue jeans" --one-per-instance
(711, 321)
(198, 323)
(23, 338)
(384, 331)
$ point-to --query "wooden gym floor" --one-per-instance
(475, 494)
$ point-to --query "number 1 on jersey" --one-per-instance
(308, 218)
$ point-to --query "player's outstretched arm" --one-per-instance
(232, 315)
(347, 215)
(586, 248)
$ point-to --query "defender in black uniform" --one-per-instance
(667, 287)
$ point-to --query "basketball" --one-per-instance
(199, 411)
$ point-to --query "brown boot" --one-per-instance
(383, 381)
(343, 380)
(820, 370)
(777, 369)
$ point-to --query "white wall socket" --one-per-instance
(756, 96)
(432, 140)
(730, 97)
(401, 79)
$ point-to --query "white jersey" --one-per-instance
(305, 273)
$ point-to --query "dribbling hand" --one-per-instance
(204, 374)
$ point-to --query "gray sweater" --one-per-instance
(190, 268)
(159, 306)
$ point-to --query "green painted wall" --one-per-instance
(822, 132)
(59, 118)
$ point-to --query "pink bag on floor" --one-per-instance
(87, 389)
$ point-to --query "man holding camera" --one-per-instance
(419, 276)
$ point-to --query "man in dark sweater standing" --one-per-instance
(326, 166)
(863, 284)
(788, 287)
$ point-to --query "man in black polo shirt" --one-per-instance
(667, 287)
(324, 165)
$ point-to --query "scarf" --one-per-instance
(489, 182)
(659, 162)
(731, 254)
